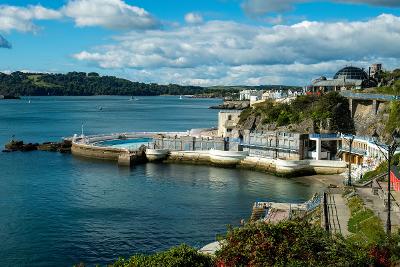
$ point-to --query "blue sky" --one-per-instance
(200, 42)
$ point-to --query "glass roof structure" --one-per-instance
(352, 73)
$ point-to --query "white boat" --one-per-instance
(156, 154)
(180, 97)
(227, 157)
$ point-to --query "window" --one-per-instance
(229, 117)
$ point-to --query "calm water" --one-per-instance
(57, 210)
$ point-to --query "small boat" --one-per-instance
(100, 108)
(29, 101)
(133, 99)
(180, 97)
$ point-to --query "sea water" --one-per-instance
(59, 210)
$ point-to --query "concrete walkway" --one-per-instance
(339, 213)
(377, 205)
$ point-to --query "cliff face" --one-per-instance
(306, 114)
(364, 123)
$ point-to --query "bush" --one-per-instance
(330, 105)
(181, 256)
(290, 243)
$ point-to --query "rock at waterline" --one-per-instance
(16, 145)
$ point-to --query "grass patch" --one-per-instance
(36, 80)
(365, 226)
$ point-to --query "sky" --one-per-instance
(200, 42)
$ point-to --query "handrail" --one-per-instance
(322, 136)
(369, 96)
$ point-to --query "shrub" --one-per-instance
(181, 256)
(290, 243)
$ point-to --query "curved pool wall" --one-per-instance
(90, 147)
(93, 146)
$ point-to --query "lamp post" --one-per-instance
(391, 149)
(350, 141)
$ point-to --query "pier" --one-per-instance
(274, 212)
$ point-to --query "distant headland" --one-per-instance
(89, 84)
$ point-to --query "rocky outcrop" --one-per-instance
(9, 97)
(15, 145)
(238, 105)
(367, 122)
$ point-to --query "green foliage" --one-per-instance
(367, 227)
(319, 109)
(289, 243)
(381, 169)
(81, 83)
(181, 256)
(394, 117)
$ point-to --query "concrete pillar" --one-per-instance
(124, 159)
(351, 106)
(375, 106)
(319, 149)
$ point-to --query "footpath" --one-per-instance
(338, 212)
(377, 203)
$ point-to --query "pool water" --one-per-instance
(125, 143)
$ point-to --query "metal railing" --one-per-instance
(370, 96)
(325, 136)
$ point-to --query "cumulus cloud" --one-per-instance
(218, 46)
(262, 7)
(387, 3)
(22, 18)
(193, 18)
(4, 43)
(112, 14)
(231, 43)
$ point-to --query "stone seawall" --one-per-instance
(190, 157)
(89, 151)
(288, 168)
(274, 166)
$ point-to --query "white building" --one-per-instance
(227, 121)
(249, 94)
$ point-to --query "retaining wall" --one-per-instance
(89, 151)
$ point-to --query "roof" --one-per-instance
(351, 73)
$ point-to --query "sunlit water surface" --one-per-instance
(58, 210)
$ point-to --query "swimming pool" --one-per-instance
(125, 143)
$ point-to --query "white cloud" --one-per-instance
(4, 43)
(217, 49)
(262, 7)
(387, 3)
(22, 18)
(112, 14)
(193, 18)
